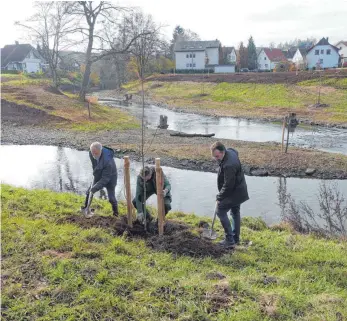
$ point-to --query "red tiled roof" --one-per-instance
(274, 54)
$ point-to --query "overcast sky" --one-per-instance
(229, 21)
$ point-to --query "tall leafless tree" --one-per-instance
(50, 27)
(100, 29)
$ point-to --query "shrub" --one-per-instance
(11, 72)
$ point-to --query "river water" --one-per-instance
(67, 170)
(323, 138)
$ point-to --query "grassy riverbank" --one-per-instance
(253, 100)
(58, 268)
(64, 110)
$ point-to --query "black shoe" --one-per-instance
(227, 244)
(115, 211)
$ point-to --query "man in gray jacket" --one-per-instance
(232, 189)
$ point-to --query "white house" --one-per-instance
(196, 54)
(299, 58)
(228, 56)
(23, 57)
(342, 45)
(323, 55)
(268, 58)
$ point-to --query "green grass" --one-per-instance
(251, 99)
(338, 83)
(53, 270)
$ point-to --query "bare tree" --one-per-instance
(50, 27)
(329, 221)
(100, 30)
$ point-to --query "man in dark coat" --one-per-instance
(104, 172)
(232, 191)
(148, 176)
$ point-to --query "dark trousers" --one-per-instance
(232, 232)
(111, 194)
(167, 203)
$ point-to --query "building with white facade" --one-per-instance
(342, 46)
(323, 55)
(22, 57)
(299, 58)
(190, 55)
(268, 58)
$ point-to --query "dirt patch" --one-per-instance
(178, 238)
(24, 115)
(117, 226)
(186, 243)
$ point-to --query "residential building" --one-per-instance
(22, 57)
(342, 46)
(323, 55)
(299, 58)
(197, 54)
(268, 58)
(228, 56)
(289, 54)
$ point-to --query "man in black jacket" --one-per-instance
(104, 172)
(232, 191)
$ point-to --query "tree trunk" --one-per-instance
(85, 82)
(87, 71)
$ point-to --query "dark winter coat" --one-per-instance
(231, 180)
(151, 188)
(104, 170)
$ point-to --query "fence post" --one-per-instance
(128, 190)
(160, 196)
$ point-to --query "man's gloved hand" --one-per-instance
(165, 192)
(140, 217)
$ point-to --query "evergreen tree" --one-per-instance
(251, 54)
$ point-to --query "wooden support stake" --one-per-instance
(283, 131)
(160, 196)
(128, 190)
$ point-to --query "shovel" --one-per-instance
(210, 233)
(89, 212)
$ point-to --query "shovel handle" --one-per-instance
(214, 217)
(89, 200)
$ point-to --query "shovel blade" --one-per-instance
(88, 213)
(209, 234)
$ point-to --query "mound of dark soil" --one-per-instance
(186, 243)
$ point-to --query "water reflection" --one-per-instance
(327, 139)
(68, 170)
